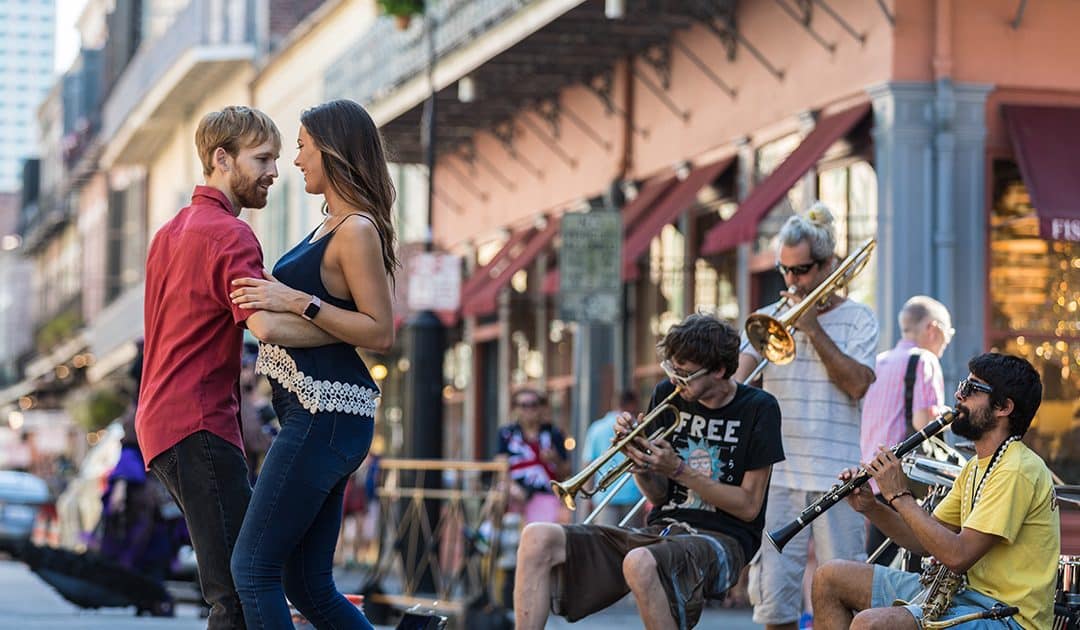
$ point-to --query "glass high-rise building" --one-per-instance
(27, 43)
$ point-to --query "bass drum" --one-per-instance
(1067, 595)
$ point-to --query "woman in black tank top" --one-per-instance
(338, 279)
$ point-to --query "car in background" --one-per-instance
(22, 496)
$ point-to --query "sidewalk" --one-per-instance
(27, 602)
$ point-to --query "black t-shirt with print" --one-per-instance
(726, 442)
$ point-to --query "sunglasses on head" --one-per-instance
(796, 270)
(678, 376)
(967, 387)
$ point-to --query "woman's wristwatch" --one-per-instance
(312, 308)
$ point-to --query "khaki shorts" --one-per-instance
(692, 565)
(776, 579)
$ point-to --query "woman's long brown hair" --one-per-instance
(355, 165)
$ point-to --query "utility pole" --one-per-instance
(425, 338)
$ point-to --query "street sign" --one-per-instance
(590, 267)
(434, 282)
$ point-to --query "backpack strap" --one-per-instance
(909, 390)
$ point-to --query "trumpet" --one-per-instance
(568, 490)
(772, 336)
(782, 536)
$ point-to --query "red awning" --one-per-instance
(1045, 140)
(666, 211)
(742, 227)
(483, 300)
(632, 214)
(482, 276)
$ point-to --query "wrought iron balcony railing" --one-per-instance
(386, 57)
(202, 24)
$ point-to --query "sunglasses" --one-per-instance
(529, 404)
(680, 377)
(796, 270)
(967, 387)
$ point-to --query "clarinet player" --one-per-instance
(999, 523)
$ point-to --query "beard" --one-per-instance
(973, 424)
(250, 192)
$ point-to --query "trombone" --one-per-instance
(568, 490)
(773, 337)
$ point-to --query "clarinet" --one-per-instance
(782, 536)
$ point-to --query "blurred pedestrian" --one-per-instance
(597, 442)
(339, 278)
(135, 531)
(909, 391)
(537, 454)
(256, 413)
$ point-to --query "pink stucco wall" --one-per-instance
(764, 107)
(969, 41)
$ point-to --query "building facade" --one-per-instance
(703, 125)
(27, 39)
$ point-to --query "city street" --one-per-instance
(27, 602)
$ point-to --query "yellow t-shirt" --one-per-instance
(1019, 505)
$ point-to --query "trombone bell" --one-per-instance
(772, 337)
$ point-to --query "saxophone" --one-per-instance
(940, 585)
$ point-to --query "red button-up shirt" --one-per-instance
(193, 331)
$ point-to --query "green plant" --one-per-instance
(401, 8)
(97, 408)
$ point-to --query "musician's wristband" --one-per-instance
(897, 496)
(679, 468)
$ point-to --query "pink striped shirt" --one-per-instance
(883, 407)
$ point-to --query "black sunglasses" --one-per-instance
(796, 270)
(967, 387)
(531, 404)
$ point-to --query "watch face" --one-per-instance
(312, 310)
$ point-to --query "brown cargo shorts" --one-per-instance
(693, 565)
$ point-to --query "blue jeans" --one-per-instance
(286, 544)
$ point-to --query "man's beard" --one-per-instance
(973, 424)
(247, 190)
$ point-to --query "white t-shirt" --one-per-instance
(820, 423)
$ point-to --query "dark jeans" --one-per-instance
(208, 479)
(286, 545)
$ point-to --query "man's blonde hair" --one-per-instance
(233, 128)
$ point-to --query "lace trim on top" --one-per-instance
(275, 362)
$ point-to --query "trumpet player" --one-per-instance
(707, 481)
(819, 393)
(999, 523)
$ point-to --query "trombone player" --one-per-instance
(707, 481)
(835, 343)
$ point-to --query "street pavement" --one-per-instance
(27, 602)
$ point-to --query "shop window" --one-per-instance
(850, 191)
(768, 158)
(666, 280)
(1034, 290)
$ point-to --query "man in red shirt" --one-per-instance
(187, 421)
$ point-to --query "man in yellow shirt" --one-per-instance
(999, 523)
